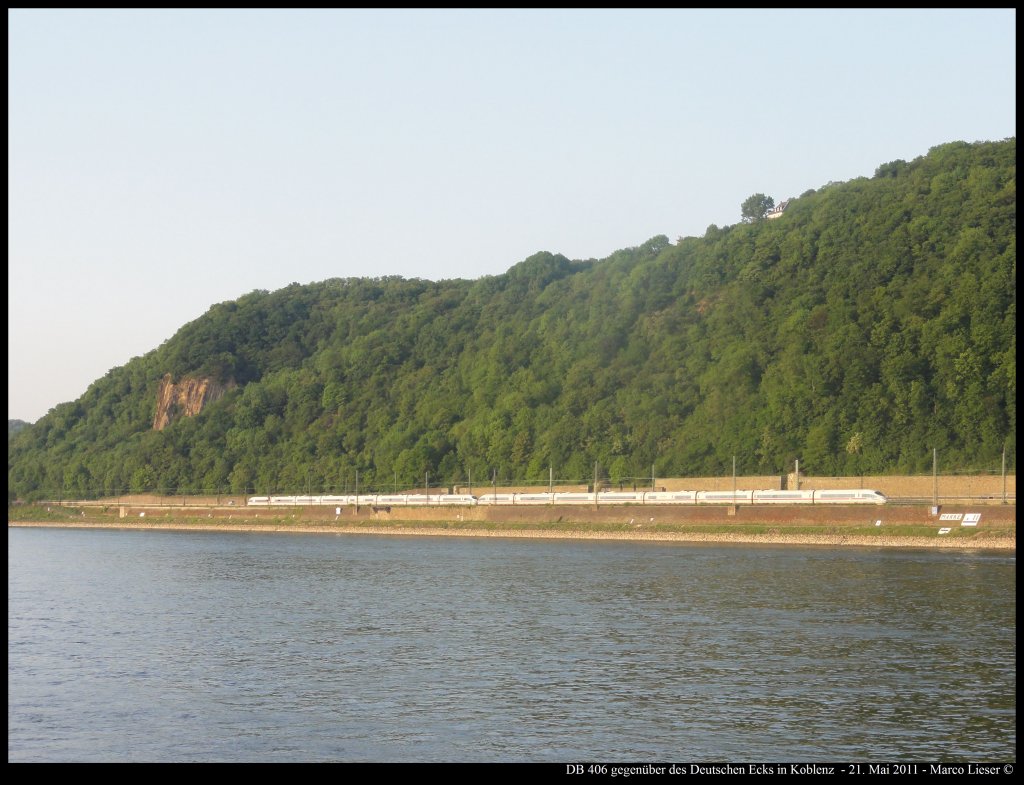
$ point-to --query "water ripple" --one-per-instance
(185, 646)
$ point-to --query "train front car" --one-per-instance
(849, 496)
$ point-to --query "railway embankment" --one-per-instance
(957, 526)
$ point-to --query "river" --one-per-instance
(220, 646)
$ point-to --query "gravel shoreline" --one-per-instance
(1005, 542)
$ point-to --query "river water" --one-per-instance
(212, 646)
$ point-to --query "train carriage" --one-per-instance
(535, 498)
(496, 499)
(337, 501)
(397, 499)
(457, 499)
(670, 497)
(620, 497)
(725, 497)
(783, 497)
(574, 498)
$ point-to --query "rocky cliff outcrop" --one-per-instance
(188, 397)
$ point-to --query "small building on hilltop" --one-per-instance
(778, 209)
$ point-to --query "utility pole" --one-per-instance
(1004, 474)
(935, 477)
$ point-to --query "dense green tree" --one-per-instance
(756, 207)
(876, 323)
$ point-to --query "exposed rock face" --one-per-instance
(188, 397)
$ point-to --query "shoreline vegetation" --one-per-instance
(999, 534)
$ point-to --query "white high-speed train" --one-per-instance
(851, 496)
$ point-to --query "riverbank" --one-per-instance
(956, 537)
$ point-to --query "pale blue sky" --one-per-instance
(163, 161)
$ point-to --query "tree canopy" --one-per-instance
(876, 323)
(756, 207)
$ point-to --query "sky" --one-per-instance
(163, 161)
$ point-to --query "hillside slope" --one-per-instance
(873, 321)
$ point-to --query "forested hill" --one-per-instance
(873, 321)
